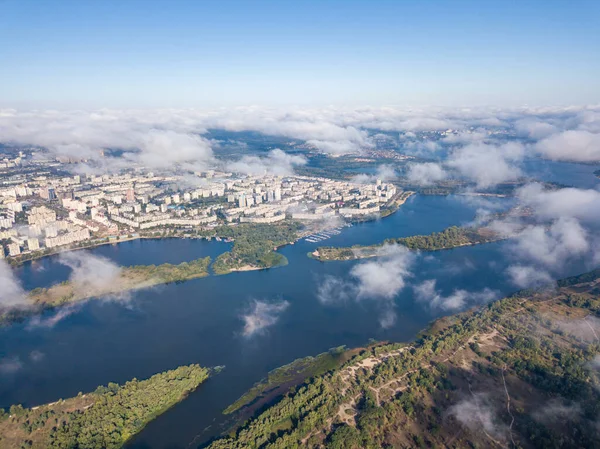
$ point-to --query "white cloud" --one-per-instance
(465, 138)
(262, 315)
(427, 293)
(554, 247)
(154, 138)
(90, 272)
(335, 290)
(11, 293)
(488, 165)
(384, 173)
(527, 276)
(378, 280)
(425, 174)
(478, 414)
(48, 322)
(384, 276)
(568, 202)
(557, 410)
(160, 138)
(10, 365)
(277, 162)
(36, 356)
(534, 129)
(571, 145)
(336, 148)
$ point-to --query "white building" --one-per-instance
(14, 249)
(33, 244)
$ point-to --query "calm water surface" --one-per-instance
(200, 321)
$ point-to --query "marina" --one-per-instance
(324, 235)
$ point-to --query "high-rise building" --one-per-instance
(33, 244)
(130, 195)
(14, 249)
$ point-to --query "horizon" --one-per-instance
(312, 224)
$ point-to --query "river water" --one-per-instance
(200, 321)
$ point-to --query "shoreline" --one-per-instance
(18, 261)
(370, 256)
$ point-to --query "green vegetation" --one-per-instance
(129, 278)
(254, 246)
(167, 273)
(104, 419)
(293, 373)
(517, 373)
(449, 238)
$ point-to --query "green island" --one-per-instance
(127, 279)
(519, 372)
(254, 246)
(452, 237)
(104, 419)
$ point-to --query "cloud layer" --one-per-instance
(176, 137)
(277, 162)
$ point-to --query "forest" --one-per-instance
(521, 372)
(103, 419)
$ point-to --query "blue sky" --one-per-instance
(130, 53)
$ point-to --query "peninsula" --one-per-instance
(494, 377)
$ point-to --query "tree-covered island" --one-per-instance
(103, 419)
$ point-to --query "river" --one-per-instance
(200, 321)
